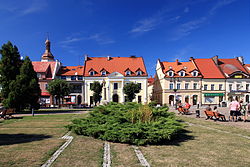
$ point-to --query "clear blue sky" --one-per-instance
(165, 29)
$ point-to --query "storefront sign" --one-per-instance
(213, 94)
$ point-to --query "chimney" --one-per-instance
(241, 59)
(108, 58)
(191, 58)
(132, 56)
(86, 57)
(177, 62)
(215, 59)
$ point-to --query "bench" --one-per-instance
(214, 115)
(7, 113)
(183, 110)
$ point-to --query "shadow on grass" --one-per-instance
(8, 139)
(182, 136)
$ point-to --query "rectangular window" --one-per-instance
(186, 85)
(247, 87)
(230, 87)
(115, 85)
(103, 72)
(63, 77)
(205, 87)
(220, 86)
(39, 75)
(46, 86)
(178, 86)
(238, 86)
(171, 86)
(212, 86)
(195, 85)
(73, 78)
(79, 77)
(139, 85)
(139, 99)
(209, 99)
(90, 85)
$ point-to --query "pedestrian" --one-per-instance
(208, 108)
(234, 107)
(247, 112)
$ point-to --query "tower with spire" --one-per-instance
(47, 56)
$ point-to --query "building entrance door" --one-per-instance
(115, 98)
(171, 100)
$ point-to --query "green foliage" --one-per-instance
(19, 82)
(9, 67)
(129, 123)
(152, 104)
(130, 90)
(59, 89)
(96, 87)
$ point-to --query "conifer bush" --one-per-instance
(129, 123)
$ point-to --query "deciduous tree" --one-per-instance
(130, 90)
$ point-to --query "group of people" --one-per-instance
(238, 109)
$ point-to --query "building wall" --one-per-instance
(110, 91)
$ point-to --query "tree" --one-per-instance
(96, 87)
(59, 89)
(10, 64)
(130, 90)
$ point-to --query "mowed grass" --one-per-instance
(203, 147)
(30, 141)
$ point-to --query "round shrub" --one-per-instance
(129, 123)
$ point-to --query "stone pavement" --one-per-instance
(223, 110)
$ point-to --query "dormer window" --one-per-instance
(128, 72)
(103, 73)
(91, 73)
(182, 73)
(139, 72)
(195, 73)
(171, 73)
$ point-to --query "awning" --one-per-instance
(45, 94)
(213, 94)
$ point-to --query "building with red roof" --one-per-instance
(114, 73)
(46, 70)
(177, 81)
(237, 78)
(73, 75)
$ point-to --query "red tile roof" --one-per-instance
(115, 64)
(177, 66)
(70, 70)
(247, 67)
(230, 66)
(43, 66)
(208, 68)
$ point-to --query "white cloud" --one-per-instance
(146, 25)
(220, 4)
(24, 7)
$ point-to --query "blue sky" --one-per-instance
(164, 29)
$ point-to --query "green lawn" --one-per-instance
(30, 141)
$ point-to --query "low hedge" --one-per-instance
(129, 123)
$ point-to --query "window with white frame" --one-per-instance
(220, 86)
(103, 73)
(195, 73)
(171, 86)
(230, 87)
(182, 73)
(205, 87)
(186, 85)
(212, 86)
(195, 86)
(128, 72)
(91, 73)
(247, 87)
(171, 73)
(139, 73)
(178, 86)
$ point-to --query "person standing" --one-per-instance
(247, 112)
(234, 108)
